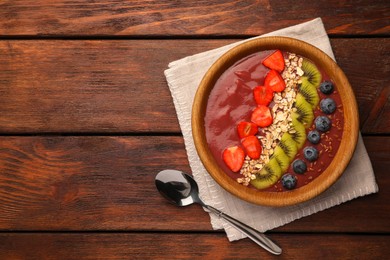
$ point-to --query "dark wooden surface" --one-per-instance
(187, 246)
(87, 120)
(189, 18)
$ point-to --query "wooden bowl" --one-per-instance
(349, 136)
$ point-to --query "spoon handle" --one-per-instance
(259, 238)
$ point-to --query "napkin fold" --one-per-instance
(183, 77)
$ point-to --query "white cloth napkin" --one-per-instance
(183, 77)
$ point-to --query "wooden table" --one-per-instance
(87, 120)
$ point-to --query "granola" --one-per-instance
(282, 120)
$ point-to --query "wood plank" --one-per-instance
(373, 103)
(88, 86)
(379, 116)
(187, 246)
(167, 18)
(107, 183)
(101, 86)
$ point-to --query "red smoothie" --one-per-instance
(231, 101)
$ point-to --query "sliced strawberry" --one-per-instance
(252, 147)
(275, 81)
(263, 95)
(245, 129)
(261, 116)
(275, 61)
(234, 158)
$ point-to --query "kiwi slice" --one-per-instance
(311, 72)
(298, 134)
(268, 175)
(288, 145)
(282, 159)
(304, 111)
(309, 91)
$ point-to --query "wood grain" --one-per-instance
(187, 246)
(379, 115)
(118, 86)
(201, 18)
(87, 120)
(374, 103)
(107, 183)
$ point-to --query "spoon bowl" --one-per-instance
(177, 187)
(181, 189)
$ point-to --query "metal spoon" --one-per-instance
(181, 189)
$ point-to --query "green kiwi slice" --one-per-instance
(304, 111)
(282, 159)
(268, 175)
(311, 72)
(309, 92)
(298, 133)
(288, 146)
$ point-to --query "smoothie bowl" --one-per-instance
(275, 121)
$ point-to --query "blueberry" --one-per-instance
(314, 137)
(322, 123)
(310, 153)
(289, 181)
(326, 87)
(299, 166)
(328, 105)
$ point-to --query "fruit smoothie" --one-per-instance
(258, 127)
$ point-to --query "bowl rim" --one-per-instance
(349, 135)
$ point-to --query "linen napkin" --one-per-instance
(183, 77)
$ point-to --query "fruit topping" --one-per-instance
(275, 61)
(303, 111)
(245, 129)
(289, 181)
(314, 137)
(326, 87)
(299, 166)
(310, 153)
(311, 72)
(309, 92)
(298, 133)
(263, 95)
(234, 157)
(282, 159)
(288, 145)
(252, 146)
(323, 123)
(261, 116)
(328, 105)
(268, 175)
(275, 81)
